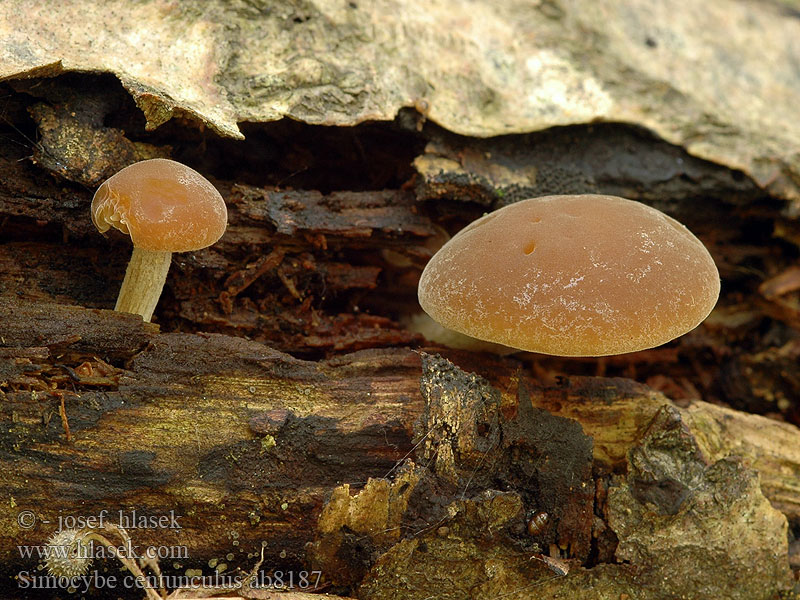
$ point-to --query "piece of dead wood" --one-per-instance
(269, 277)
(332, 63)
(245, 445)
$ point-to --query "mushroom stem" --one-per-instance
(144, 280)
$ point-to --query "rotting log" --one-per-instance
(244, 445)
(183, 429)
(379, 466)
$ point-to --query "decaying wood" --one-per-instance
(361, 454)
(246, 444)
(246, 282)
(331, 63)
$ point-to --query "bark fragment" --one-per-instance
(697, 526)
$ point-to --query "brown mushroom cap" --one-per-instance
(163, 205)
(584, 275)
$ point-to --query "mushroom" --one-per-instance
(422, 323)
(586, 275)
(165, 207)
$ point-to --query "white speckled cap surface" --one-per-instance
(586, 275)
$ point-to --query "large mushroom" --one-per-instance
(165, 207)
(586, 275)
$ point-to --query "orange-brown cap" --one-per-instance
(163, 205)
(572, 276)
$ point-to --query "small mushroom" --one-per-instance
(165, 207)
(586, 275)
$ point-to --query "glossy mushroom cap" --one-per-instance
(583, 275)
(163, 205)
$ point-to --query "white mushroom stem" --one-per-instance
(144, 280)
(439, 334)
